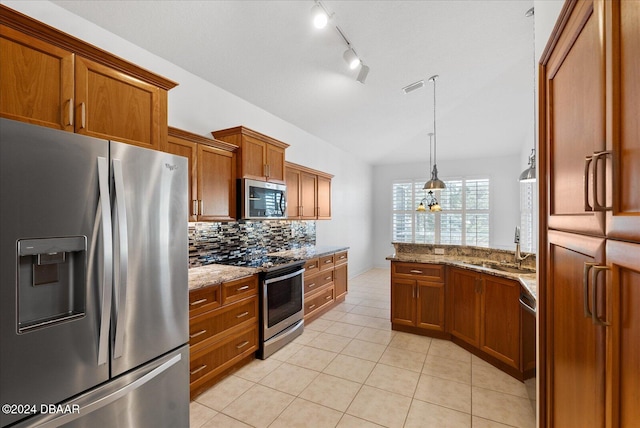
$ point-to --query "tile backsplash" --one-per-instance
(213, 242)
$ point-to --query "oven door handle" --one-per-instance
(282, 278)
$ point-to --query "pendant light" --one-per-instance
(435, 183)
(529, 174)
(430, 200)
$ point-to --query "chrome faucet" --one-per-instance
(518, 256)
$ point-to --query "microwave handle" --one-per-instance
(283, 203)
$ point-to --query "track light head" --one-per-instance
(362, 75)
(320, 17)
(413, 86)
(351, 58)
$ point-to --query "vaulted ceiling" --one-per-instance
(269, 53)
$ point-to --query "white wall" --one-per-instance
(201, 107)
(505, 209)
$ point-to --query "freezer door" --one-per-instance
(155, 395)
(50, 233)
(149, 204)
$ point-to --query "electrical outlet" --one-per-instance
(439, 251)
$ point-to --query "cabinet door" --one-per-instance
(324, 198)
(403, 306)
(624, 140)
(575, 351)
(623, 336)
(293, 193)
(275, 163)
(465, 305)
(500, 319)
(116, 106)
(253, 158)
(340, 280)
(430, 305)
(188, 149)
(308, 185)
(574, 127)
(36, 81)
(216, 184)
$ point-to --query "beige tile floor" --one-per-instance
(349, 369)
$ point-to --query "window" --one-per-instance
(527, 232)
(464, 219)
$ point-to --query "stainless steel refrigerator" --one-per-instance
(93, 282)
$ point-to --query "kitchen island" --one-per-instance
(472, 296)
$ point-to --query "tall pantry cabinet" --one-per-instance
(589, 292)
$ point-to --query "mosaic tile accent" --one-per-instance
(212, 242)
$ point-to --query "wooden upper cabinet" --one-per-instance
(36, 81)
(216, 184)
(52, 79)
(113, 105)
(212, 182)
(308, 193)
(324, 197)
(573, 118)
(623, 107)
(260, 157)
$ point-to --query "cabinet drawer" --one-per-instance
(318, 301)
(213, 358)
(211, 324)
(204, 299)
(341, 258)
(422, 270)
(311, 267)
(327, 262)
(316, 282)
(233, 291)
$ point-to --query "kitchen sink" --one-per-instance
(503, 268)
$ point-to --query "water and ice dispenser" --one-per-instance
(51, 281)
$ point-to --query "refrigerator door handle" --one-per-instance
(100, 402)
(120, 282)
(104, 216)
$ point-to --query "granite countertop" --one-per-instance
(306, 253)
(528, 280)
(216, 273)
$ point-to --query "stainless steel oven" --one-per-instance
(282, 307)
(262, 200)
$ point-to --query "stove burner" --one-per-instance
(266, 262)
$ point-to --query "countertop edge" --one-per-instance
(528, 281)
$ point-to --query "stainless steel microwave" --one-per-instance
(262, 200)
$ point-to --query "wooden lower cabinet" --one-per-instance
(223, 330)
(325, 284)
(482, 312)
(417, 297)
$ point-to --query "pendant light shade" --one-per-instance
(529, 174)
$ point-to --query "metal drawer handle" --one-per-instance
(311, 266)
(594, 277)
(197, 302)
(244, 314)
(343, 257)
(200, 333)
(415, 271)
(327, 278)
(587, 164)
(596, 158)
(199, 369)
(311, 285)
(585, 283)
(246, 287)
(327, 261)
(312, 306)
(242, 345)
(328, 298)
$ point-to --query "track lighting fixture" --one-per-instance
(321, 17)
(351, 58)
